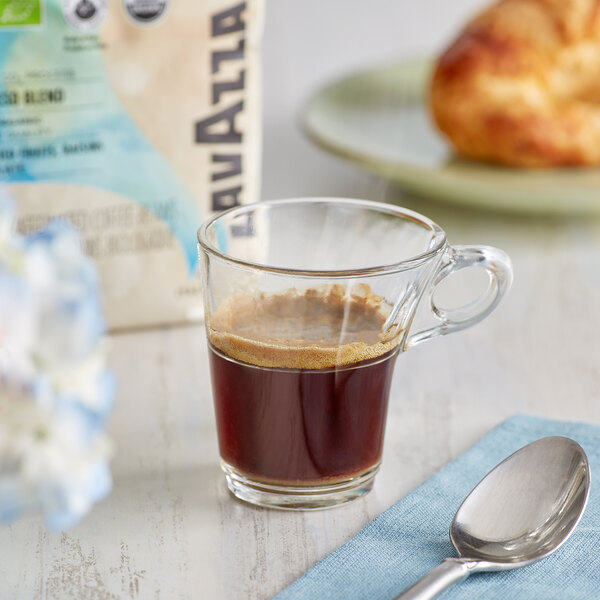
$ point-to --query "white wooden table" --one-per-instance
(170, 529)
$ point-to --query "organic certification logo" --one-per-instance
(84, 15)
(19, 13)
(145, 11)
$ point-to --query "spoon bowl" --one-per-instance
(520, 512)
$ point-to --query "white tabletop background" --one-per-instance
(170, 529)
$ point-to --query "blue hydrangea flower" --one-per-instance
(52, 456)
(55, 391)
(65, 283)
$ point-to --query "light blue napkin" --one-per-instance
(411, 537)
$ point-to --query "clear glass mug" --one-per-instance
(308, 303)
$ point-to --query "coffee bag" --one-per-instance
(135, 120)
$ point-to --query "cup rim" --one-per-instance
(439, 239)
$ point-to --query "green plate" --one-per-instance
(378, 119)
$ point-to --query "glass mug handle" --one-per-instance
(499, 269)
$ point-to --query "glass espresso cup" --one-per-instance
(308, 304)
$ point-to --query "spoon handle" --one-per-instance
(437, 580)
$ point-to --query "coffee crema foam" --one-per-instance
(315, 329)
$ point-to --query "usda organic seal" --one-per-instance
(145, 11)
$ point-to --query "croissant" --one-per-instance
(520, 85)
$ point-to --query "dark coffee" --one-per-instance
(286, 412)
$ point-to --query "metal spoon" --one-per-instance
(520, 512)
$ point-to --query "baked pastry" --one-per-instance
(521, 84)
